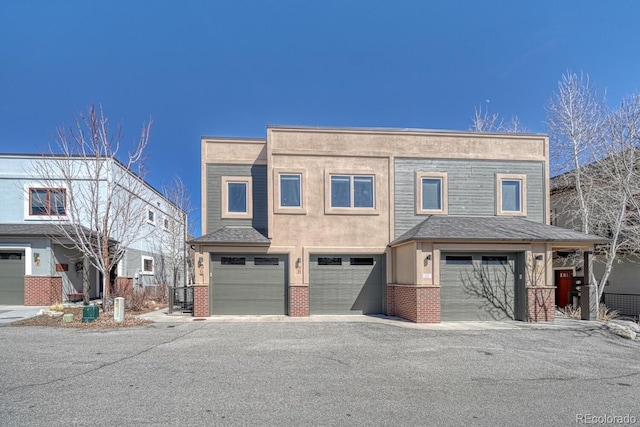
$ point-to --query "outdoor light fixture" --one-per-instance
(538, 257)
(428, 257)
(298, 262)
(200, 262)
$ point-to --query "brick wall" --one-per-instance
(298, 301)
(541, 304)
(42, 290)
(417, 304)
(201, 301)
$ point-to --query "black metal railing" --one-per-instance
(181, 299)
(624, 304)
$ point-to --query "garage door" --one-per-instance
(480, 287)
(11, 277)
(346, 284)
(248, 284)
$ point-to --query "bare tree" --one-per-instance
(105, 212)
(597, 152)
(493, 286)
(483, 121)
(173, 252)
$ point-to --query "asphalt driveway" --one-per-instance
(325, 373)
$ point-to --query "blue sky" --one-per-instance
(229, 68)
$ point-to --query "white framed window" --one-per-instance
(431, 193)
(351, 193)
(511, 197)
(289, 194)
(148, 265)
(47, 202)
(165, 223)
(151, 216)
(236, 197)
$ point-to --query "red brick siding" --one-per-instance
(417, 304)
(42, 290)
(201, 301)
(298, 301)
(541, 304)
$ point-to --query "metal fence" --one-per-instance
(181, 299)
(624, 304)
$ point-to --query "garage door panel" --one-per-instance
(464, 295)
(12, 277)
(346, 288)
(249, 288)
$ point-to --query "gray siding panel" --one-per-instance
(472, 187)
(215, 172)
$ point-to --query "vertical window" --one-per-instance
(431, 193)
(47, 201)
(511, 194)
(352, 191)
(151, 216)
(236, 197)
(290, 190)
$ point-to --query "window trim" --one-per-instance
(444, 193)
(330, 210)
(224, 205)
(500, 177)
(152, 212)
(294, 210)
(49, 190)
(145, 272)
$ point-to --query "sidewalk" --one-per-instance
(163, 316)
(13, 313)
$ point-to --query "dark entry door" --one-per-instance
(563, 287)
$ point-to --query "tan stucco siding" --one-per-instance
(232, 151)
(408, 143)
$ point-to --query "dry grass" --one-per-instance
(604, 314)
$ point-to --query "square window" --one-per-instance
(290, 190)
(363, 191)
(147, 265)
(431, 194)
(511, 198)
(47, 201)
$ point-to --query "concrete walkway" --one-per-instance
(162, 316)
(13, 313)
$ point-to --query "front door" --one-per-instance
(563, 287)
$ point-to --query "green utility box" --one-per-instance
(90, 313)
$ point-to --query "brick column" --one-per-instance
(417, 304)
(42, 290)
(298, 301)
(541, 304)
(200, 300)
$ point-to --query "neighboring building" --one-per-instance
(366, 221)
(622, 288)
(36, 265)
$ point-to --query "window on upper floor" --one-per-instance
(236, 197)
(511, 197)
(151, 216)
(290, 191)
(431, 193)
(352, 191)
(165, 224)
(47, 201)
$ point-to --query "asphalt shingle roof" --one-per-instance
(233, 234)
(30, 229)
(466, 229)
